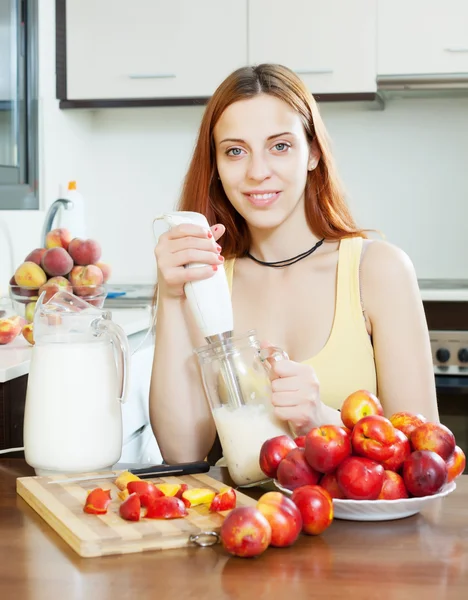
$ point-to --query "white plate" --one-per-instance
(381, 510)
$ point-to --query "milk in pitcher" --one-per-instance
(73, 417)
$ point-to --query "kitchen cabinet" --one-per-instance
(116, 49)
(12, 400)
(422, 37)
(331, 44)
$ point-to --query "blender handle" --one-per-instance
(120, 343)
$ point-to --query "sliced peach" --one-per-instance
(166, 507)
(225, 499)
(124, 478)
(168, 489)
(197, 496)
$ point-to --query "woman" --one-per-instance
(346, 309)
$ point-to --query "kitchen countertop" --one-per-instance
(444, 290)
(424, 556)
(15, 357)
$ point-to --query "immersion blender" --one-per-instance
(210, 302)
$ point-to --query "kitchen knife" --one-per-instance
(144, 472)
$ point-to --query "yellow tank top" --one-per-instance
(346, 362)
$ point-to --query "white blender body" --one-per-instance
(209, 299)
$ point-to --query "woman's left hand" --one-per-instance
(296, 395)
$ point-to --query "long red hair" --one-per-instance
(325, 208)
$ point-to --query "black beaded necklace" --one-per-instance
(279, 264)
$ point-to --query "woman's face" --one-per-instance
(263, 156)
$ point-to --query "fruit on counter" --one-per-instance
(424, 473)
(130, 509)
(456, 464)
(225, 499)
(145, 490)
(84, 252)
(58, 238)
(197, 496)
(283, 516)
(330, 483)
(106, 270)
(28, 333)
(35, 256)
(393, 487)
(30, 275)
(10, 328)
(360, 478)
(359, 404)
(294, 470)
(316, 507)
(124, 478)
(57, 261)
(245, 532)
(373, 437)
(166, 508)
(407, 422)
(326, 447)
(435, 437)
(401, 449)
(97, 501)
(54, 285)
(83, 277)
(272, 453)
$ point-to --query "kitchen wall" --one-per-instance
(404, 169)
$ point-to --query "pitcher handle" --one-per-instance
(272, 353)
(120, 343)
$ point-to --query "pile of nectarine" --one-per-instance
(369, 457)
(65, 264)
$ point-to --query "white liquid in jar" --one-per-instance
(72, 419)
(242, 432)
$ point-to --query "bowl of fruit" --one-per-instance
(374, 468)
(65, 264)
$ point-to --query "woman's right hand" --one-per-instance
(182, 245)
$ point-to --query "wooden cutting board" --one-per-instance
(61, 506)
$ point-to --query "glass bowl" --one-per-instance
(24, 298)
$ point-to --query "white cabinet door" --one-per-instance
(330, 43)
(422, 36)
(152, 48)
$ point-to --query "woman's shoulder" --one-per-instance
(382, 259)
(387, 273)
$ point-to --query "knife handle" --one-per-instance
(180, 469)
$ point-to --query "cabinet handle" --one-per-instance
(456, 49)
(152, 75)
(314, 71)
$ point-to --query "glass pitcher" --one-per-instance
(237, 384)
(76, 384)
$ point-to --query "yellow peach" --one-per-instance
(29, 311)
(58, 238)
(30, 275)
(10, 328)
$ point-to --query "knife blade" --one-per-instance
(144, 472)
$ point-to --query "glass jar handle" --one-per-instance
(272, 353)
(121, 346)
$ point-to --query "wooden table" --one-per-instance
(424, 557)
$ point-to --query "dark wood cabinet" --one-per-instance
(12, 401)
